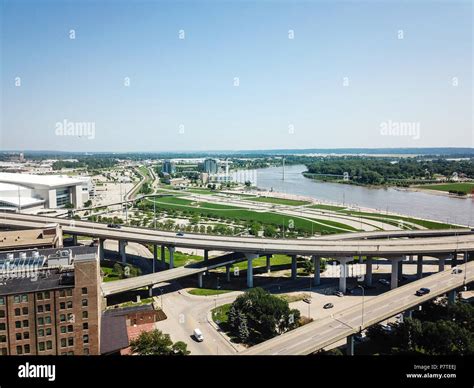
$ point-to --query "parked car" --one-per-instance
(422, 291)
(307, 300)
(113, 226)
(338, 293)
(328, 306)
(385, 282)
(180, 234)
(388, 328)
(198, 335)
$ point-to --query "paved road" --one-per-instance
(187, 312)
(323, 247)
(115, 287)
(321, 333)
(39, 221)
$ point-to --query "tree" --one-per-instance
(156, 343)
(244, 332)
(180, 349)
(257, 316)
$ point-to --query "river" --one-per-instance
(411, 203)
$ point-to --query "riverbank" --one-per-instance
(399, 202)
(386, 186)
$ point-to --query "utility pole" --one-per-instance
(154, 212)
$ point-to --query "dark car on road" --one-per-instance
(113, 226)
(422, 291)
(328, 306)
(180, 234)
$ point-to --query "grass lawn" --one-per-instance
(464, 187)
(232, 212)
(180, 258)
(327, 207)
(290, 298)
(416, 221)
(279, 201)
(219, 314)
(207, 291)
(109, 274)
(262, 262)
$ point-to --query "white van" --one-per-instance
(198, 335)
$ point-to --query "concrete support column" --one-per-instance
(122, 245)
(150, 291)
(343, 272)
(101, 249)
(155, 257)
(441, 265)
(163, 256)
(250, 257)
(454, 260)
(350, 345)
(206, 255)
(171, 251)
(317, 270)
(394, 276)
(227, 272)
(368, 271)
(74, 240)
(400, 268)
(452, 296)
(269, 267)
(419, 267)
(200, 280)
(294, 267)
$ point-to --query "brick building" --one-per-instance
(50, 302)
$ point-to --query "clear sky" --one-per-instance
(355, 74)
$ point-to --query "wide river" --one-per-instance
(418, 204)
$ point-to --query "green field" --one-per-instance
(201, 191)
(416, 221)
(232, 212)
(207, 291)
(262, 262)
(279, 201)
(464, 187)
(180, 258)
(219, 314)
(327, 207)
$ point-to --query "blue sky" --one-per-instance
(291, 92)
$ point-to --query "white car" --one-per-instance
(198, 335)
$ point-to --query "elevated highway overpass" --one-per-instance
(392, 245)
(319, 334)
(149, 280)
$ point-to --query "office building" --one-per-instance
(210, 166)
(168, 167)
(50, 302)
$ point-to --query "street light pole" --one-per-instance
(465, 271)
(363, 296)
(154, 212)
